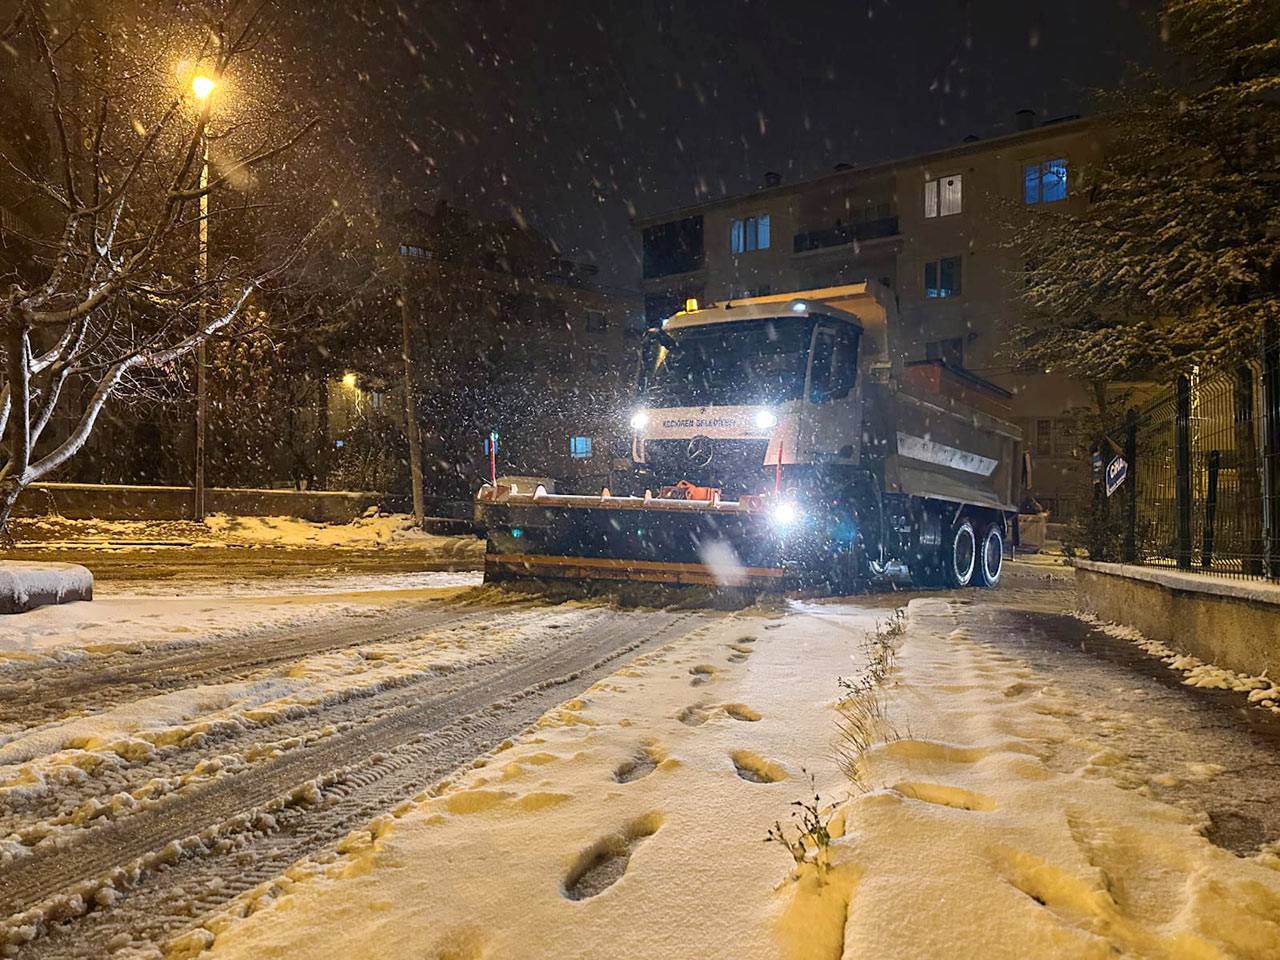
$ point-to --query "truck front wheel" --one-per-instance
(991, 555)
(961, 554)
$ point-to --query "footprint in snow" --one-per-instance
(946, 796)
(604, 863)
(702, 673)
(740, 711)
(756, 769)
(692, 716)
(643, 763)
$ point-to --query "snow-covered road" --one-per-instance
(354, 773)
(134, 774)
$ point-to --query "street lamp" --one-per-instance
(202, 87)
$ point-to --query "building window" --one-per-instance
(597, 322)
(949, 351)
(750, 233)
(674, 247)
(942, 277)
(580, 448)
(1044, 182)
(942, 196)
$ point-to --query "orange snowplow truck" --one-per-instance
(783, 441)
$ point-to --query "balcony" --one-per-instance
(847, 233)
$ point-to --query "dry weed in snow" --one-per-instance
(861, 716)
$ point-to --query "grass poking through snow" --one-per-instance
(862, 717)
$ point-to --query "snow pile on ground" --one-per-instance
(110, 625)
(376, 531)
(1262, 690)
(25, 584)
(53, 532)
(630, 821)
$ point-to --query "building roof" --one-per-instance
(1045, 130)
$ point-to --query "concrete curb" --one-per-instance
(1231, 623)
(1256, 590)
(26, 584)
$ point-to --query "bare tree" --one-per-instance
(109, 294)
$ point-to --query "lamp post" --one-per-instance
(202, 87)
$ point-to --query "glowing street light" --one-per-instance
(202, 86)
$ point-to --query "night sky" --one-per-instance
(582, 113)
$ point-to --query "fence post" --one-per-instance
(1210, 509)
(1130, 549)
(1270, 448)
(1182, 460)
(1248, 471)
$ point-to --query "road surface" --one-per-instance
(148, 786)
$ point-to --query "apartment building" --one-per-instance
(929, 228)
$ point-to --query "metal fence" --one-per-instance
(1203, 486)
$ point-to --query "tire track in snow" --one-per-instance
(177, 761)
(369, 767)
(55, 691)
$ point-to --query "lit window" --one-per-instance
(751, 233)
(942, 277)
(580, 448)
(942, 196)
(1044, 182)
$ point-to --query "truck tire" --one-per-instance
(961, 554)
(991, 555)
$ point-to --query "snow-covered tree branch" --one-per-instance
(116, 282)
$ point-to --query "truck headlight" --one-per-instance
(787, 514)
(639, 420)
(766, 419)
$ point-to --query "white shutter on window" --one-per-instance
(950, 195)
(931, 198)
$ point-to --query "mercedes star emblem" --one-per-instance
(700, 451)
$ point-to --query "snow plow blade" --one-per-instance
(706, 543)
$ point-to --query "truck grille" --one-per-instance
(736, 466)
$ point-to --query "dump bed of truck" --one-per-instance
(950, 436)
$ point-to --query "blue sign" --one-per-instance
(1097, 466)
(1117, 471)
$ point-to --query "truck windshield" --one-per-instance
(736, 362)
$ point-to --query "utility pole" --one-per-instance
(410, 405)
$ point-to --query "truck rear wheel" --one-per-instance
(991, 555)
(961, 554)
